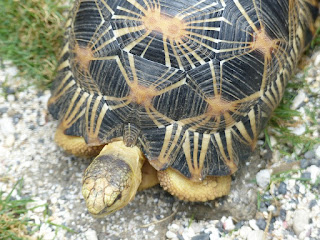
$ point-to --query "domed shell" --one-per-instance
(192, 83)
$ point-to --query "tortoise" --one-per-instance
(172, 91)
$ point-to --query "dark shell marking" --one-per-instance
(192, 83)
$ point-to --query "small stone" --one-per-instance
(3, 110)
(255, 235)
(312, 203)
(304, 163)
(171, 235)
(306, 175)
(253, 224)
(298, 100)
(315, 173)
(263, 178)
(261, 223)
(317, 152)
(309, 154)
(91, 234)
(283, 214)
(228, 224)
(10, 98)
(245, 231)
(9, 141)
(282, 189)
(215, 234)
(203, 236)
(300, 221)
(299, 130)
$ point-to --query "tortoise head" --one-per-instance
(112, 179)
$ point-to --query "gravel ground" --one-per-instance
(289, 209)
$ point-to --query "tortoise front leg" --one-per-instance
(75, 145)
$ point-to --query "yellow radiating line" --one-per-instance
(166, 52)
(200, 59)
(220, 146)
(128, 11)
(72, 117)
(243, 131)
(62, 83)
(88, 123)
(104, 44)
(229, 143)
(115, 98)
(204, 149)
(195, 150)
(123, 71)
(64, 50)
(150, 114)
(133, 69)
(63, 65)
(146, 48)
(137, 5)
(137, 41)
(244, 13)
(108, 7)
(173, 86)
(186, 150)
(161, 79)
(161, 115)
(217, 19)
(205, 28)
(100, 118)
(166, 141)
(119, 17)
(214, 79)
(123, 31)
(252, 118)
(186, 56)
(94, 111)
(165, 152)
(176, 54)
(196, 9)
(120, 105)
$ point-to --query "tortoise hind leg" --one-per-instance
(75, 145)
(185, 189)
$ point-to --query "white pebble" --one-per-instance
(298, 130)
(255, 235)
(317, 60)
(253, 224)
(6, 126)
(174, 227)
(9, 141)
(298, 100)
(171, 235)
(91, 234)
(317, 152)
(315, 173)
(300, 221)
(214, 234)
(228, 224)
(245, 231)
(188, 233)
(10, 98)
(263, 178)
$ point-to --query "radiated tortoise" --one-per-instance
(172, 91)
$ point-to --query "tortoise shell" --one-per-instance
(192, 83)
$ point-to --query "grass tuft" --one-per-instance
(13, 223)
(31, 32)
